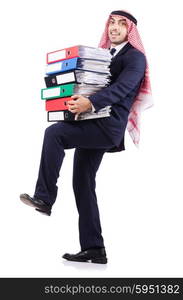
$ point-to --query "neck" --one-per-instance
(115, 45)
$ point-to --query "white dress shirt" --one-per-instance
(119, 47)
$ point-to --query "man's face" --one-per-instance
(117, 30)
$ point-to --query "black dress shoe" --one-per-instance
(93, 255)
(39, 204)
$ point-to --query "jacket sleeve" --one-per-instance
(127, 81)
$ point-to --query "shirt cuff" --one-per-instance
(93, 108)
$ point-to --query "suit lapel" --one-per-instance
(122, 51)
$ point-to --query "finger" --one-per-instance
(71, 102)
(74, 111)
(73, 108)
(75, 96)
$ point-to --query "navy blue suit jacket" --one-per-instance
(127, 71)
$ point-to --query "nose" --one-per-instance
(114, 27)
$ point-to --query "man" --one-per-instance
(128, 92)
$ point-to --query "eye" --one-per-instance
(122, 22)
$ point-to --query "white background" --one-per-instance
(139, 191)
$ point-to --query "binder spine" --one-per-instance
(69, 64)
(57, 92)
(57, 104)
(62, 54)
(65, 65)
(63, 115)
(63, 78)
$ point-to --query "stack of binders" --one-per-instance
(76, 70)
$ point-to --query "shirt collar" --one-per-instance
(119, 47)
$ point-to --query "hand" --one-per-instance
(79, 104)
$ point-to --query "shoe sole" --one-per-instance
(28, 202)
(101, 260)
(37, 207)
(48, 213)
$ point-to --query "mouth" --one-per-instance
(114, 34)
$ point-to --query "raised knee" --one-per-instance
(51, 130)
